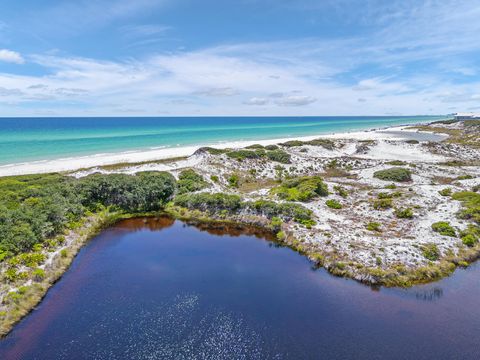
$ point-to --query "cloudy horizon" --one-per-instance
(251, 57)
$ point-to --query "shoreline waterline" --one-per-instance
(319, 286)
(393, 132)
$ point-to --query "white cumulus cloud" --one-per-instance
(296, 100)
(256, 101)
(11, 56)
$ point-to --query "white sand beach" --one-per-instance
(83, 162)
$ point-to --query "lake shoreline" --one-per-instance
(257, 226)
(334, 238)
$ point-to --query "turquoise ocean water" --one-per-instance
(32, 139)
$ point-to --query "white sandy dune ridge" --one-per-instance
(83, 162)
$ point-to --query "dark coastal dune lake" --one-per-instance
(161, 289)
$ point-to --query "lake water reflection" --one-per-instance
(161, 289)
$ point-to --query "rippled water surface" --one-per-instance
(34, 139)
(159, 289)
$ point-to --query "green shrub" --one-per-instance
(254, 146)
(382, 204)
(210, 150)
(384, 195)
(233, 180)
(189, 181)
(301, 189)
(245, 154)
(470, 235)
(373, 226)
(286, 211)
(471, 205)
(469, 240)
(391, 186)
(63, 253)
(397, 174)
(279, 156)
(325, 143)
(404, 213)
(292, 143)
(209, 202)
(214, 178)
(276, 223)
(271, 147)
(431, 252)
(32, 259)
(396, 163)
(38, 274)
(340, 190)
(444, 228)
(445, 192)
(334, 204)
(11, 274)
(464, 177)
(281, 235)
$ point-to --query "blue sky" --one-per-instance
(243, 57)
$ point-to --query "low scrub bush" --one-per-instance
(431, 252)
(445, 192)
(340, 190)
(333, 204)
(189, 181)
(444, 228)
(396, 163)
(404, 213)
(215, 203)
(396, 174)
(471, 205)
(233, 181)
(245, 154)
(271, 147)
(209, 202)
(212, 151)
(391, 195)
(255, 146)
(471, 235)
(279, 156)
(301, 189)
(373, 226)
(382, 204)
(292, 143)
(276, 223)
(286, 211)
(325, 143)
(469, 240)
(38, 274)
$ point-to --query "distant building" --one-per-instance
(466, 116)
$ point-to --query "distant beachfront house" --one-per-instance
(466, 116)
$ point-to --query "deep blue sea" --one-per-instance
(31, 139)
